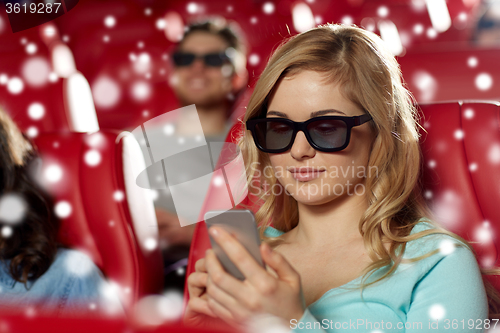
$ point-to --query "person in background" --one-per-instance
(487, 32)
(34, 269)
(209, 71)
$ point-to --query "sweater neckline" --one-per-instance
(273, 232)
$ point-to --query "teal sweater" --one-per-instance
(442, 293)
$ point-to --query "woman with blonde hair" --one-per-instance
(351, 247)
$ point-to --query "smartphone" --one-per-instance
(241, 224)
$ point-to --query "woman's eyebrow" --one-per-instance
(313, 114)
(276, 113)
(325, 112)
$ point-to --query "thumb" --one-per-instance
(278, 263)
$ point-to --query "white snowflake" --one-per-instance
(13, 208)
(437, 312)
(78, 264)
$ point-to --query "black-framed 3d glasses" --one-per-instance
(183, 59)
(325, 133)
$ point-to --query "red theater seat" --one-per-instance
(432, 75)
(21, 324)
(103, 212)
(461, 176)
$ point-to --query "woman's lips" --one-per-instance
(305, 174)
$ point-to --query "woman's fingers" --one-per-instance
(218, 294)
(221, 311)
(279, 264)
(196, 306)
(235, 300)
(200, 266)
(197, 282)
(219, 277)
(237, 254)
(243, 295)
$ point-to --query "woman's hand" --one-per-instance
(198, 312)
(260, 293)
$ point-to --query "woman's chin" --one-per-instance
(314, 200)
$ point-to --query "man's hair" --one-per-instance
(230, 32)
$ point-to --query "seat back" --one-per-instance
(431, 73)
(102, 211)
(461, 172)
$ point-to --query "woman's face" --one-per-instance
(313, 177)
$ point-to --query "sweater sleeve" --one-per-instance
(450, 297)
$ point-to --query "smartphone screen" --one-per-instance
(241, 224)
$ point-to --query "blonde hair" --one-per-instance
(369, 76)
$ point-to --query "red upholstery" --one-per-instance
(23, 324)
(100, 222)
(432, 75)
(461, 176)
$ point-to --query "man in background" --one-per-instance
(209, 70)
(487, 32)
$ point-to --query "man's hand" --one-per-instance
(170, 230)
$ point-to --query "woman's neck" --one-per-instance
(335, 222)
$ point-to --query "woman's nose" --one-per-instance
(198, 64)
(301, 149)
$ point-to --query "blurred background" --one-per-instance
(447, 50)
(107, 64)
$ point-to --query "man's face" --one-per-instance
(198, 83)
